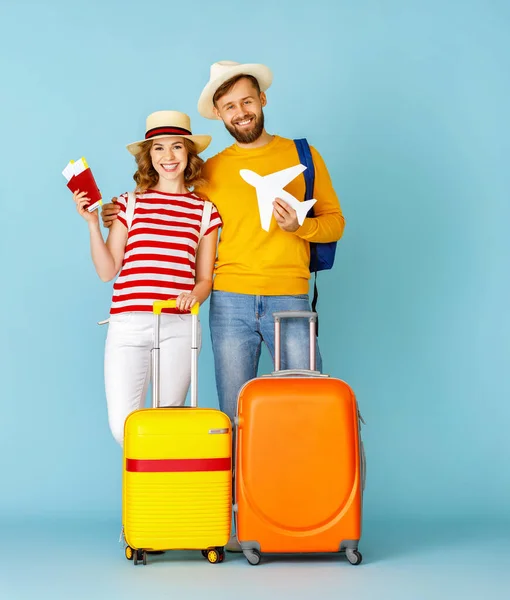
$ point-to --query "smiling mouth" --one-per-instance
(169, 168)
(244, 122)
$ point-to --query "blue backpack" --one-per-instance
(322, 255)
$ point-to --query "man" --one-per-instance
(258, 272)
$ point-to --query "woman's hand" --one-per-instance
(186, 301)
(81, 201)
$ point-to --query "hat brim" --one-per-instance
(201, 142)
(261, 73)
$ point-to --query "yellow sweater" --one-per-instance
(254, 261)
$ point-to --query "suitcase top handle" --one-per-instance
(294, 314)
(159, 305)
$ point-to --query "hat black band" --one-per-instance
(166, 131)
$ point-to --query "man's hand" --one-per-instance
(109, 212)
(285, 216)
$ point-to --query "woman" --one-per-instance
(159, 257)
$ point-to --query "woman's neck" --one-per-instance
(171, 187)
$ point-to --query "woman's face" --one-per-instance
(169, 158)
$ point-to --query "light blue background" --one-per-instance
(408, 104)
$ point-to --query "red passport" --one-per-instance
(80, 178)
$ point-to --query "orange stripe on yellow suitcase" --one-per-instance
(177, 476)
(298, 464)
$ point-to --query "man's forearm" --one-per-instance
(324, 228)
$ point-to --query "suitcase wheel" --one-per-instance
(252, 556)
(129, 552)
(353, 556)
(214, 555)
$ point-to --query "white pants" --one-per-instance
(128, 363)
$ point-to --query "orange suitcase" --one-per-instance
(300, 465)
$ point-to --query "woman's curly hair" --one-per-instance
(146, 176)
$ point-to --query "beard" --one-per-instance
(247, 137)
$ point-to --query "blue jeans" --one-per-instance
(239, 323)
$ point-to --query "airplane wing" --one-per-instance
(265, 209)
(280, 179)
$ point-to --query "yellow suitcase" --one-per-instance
(177, 479)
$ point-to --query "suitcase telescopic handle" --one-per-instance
(157, 307)
(294, 314)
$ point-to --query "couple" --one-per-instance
(161, 255)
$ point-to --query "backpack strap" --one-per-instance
(305, 158)
(130, 209)
(206, 219)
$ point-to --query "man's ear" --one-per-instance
(263, 99)
(216, 112)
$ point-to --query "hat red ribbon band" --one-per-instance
(166, 131)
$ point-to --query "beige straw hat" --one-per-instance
(165, 123)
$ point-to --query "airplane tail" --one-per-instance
(303, 208)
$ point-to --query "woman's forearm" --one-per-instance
(202, 290)
(101, 255)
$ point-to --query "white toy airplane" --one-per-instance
(269, 187)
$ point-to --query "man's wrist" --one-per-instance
(304, 230)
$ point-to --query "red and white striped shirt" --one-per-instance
(159, 260)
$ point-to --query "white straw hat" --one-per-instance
(223, 71)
